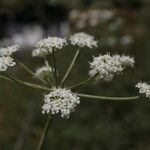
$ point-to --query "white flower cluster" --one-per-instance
(43, 71)
(44, 46)
(82, 39)
(144, 88)
(51, 42)
(60, 101)
(5, 62)
(40, 52)
(5, 59)
(125, 60)
(106, 65)
(9, 50)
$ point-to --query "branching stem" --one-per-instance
(28, 84)
(31, 72)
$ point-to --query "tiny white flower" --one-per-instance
(144, 88)
(7, 51)
(61, 101)
(5, 62)
(43, 72)
(82, 39)
(51, 42)
(106, 65)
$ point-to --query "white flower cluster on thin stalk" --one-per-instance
(43, 71)
(144, 88)
(44, 46)
(51, 42)
(82, 39)
(7, 51)
(5, 60)
(106, 66)
(60, 101)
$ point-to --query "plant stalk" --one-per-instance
(47, 65)
(45, 132)
(55, 67)
(31, 72)
(70, 67)
(83, 83)
(49, 119)
(107, 98)
(35, 86)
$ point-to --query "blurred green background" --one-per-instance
(95, 125)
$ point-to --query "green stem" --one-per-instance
(48, 77)
(107, 98)
(46, 62)
(83, 83)
(55, 68)
(6, 78)
(35, 86)
(47, 125)
(45, 132)
(70, 67)
(31, 72)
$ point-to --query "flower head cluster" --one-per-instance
(5, 62)
(83, 39)
(5, 59)
(43, 72)
(9, 50)
(125, 60)
(51, 42)
(144, 88)
(44, 46)
(60, 101)
(106, 65)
